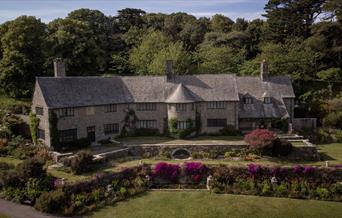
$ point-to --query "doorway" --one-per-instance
(91, 133)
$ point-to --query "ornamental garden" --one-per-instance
(81, 181)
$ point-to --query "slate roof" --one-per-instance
(86, 91)
(182, 95)
(277, 88)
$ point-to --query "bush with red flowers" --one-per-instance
(167, 171)
(260, 138)
(195, 171)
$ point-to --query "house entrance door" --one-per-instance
(91, 133)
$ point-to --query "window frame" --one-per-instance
(39, 111)
(110, 128)
(41, 134)
(147, 124)
(182, 125)
(111, 108)
(217, 105)
(66, 112)
(267, 100)
(248, 100)
(65, 134)
(217, 122)
(181, 107)
(146, 106)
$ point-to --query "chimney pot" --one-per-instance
(59, 67)
(264, 70)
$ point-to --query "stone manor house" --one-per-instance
(96, 107)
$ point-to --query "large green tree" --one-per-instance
(221, 23)
(75, 41)
(22, 46)
(288, 18)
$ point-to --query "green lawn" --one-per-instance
(196, 140)
(10, 160)
(165, 204)
(331, 152)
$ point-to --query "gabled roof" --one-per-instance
(277, 87)
(182, 95)
(87, 91)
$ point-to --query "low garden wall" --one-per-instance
(155, 150)
(303, 153)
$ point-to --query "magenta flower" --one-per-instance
(253, 169)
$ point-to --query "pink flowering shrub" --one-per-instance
(260, 138)
(195, 171)
(167, 171)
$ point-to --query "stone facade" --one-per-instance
(97, 107)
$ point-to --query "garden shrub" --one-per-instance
(321, 136)
(51, 202)
(181, 133)
(34, 124)
(281, 147)
(260, 138)
(167, 171)
(338, 135)
(230, 154)
(31, 168)
(230, 131)
(195, 171)
(333, 119)
(83, 162)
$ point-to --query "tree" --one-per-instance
(74, 41)
(142, 56)
(218, 59)
(23, 46)
(102, 29)
(240, 25)
(129, 17)
(288, 18)
(175, 52)
(221, 23)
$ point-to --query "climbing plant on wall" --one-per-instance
(181, 133)
(34, 124)
(54, 135)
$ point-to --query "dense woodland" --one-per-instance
(299, 38)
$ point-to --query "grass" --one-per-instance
(165, 204)
(331, 152)
(196, 140)
(10, 160)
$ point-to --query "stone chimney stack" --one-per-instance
(59, 67)
(264, 70)
(169, 70)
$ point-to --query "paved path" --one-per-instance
(14, 210)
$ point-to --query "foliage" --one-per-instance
(230, 131)
(34, 124)
(54, 134)
(31, 168)
(281, 147)
(195, 171)
(260, 138)
(22, 46)
(51, 202)
(181, 133)
(83, 162)
(167, 171)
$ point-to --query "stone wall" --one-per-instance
(304, 123)
(154, 150)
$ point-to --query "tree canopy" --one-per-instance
(299, 38)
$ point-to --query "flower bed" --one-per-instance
(305, 182)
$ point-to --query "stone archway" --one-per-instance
(181, 153)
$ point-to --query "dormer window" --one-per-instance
(248, 100)
(267, 100)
